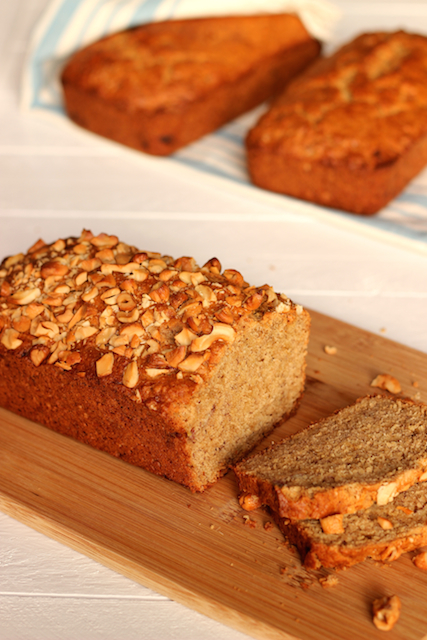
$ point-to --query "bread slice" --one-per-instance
(382, 533)
(366, 453)
(163, 85)
(170, 366)
(349, 133)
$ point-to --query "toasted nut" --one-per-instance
(81, 248)
(420, 560)
(12, 260)
(91, 294)
(131, 375)
(176, 356)
(208, 294)
(192, 363)
(82, 333)
(25, 297)
(126, 302)
(160, 292)
(384, 523)
(423, 477)
(332, 524)
(65, 317)
(249, 501)
(104, 241)
(133, 329)
(283, 307)
(154, 373)
(62, 289)
(110, 296)
(10, 339)
(156, 265)
(219, 332)
(387, 382)
(90, 265)
(79, 315)
(130, 317)
(38, 354)
(58, 246)
(167, 274)
(386, 493)
(189, 277)
(253, 302)
(331, 351)
(147, 318)
(213, 265)
(386, 612)
(5, 289)
(225, 315)
(118, 341)
(104, 366)
(36, 246)
(185, 337)
(104, 336)
(33, 310)
(55, 269)
(105, 255)
(233, 276)
(22, 324)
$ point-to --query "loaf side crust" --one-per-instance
(351, 132)
(158, 87)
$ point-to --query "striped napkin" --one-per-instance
(68, 25)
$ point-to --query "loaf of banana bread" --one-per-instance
(162, 85)
(351, 132)
(172, 367)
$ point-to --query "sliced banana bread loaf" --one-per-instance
(172, 367)
(366, 453)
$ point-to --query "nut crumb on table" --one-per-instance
(387, 382)
(331, 351)
(386, 612)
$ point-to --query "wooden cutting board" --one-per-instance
(200, 549)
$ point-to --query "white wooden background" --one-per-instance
(53, 182)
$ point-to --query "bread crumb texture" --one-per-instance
(192, 359)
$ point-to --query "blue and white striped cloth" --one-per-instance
(67, 25)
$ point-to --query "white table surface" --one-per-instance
(53, 182)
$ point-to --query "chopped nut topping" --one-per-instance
(125, 304)
(104, 366)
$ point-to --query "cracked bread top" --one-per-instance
(150, 323)
(166, 65)
(364, 106)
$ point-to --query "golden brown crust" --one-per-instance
(160, 86)
(115, 346)
(352, 131)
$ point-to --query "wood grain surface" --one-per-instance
(199, 549)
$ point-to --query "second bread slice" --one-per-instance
(366, 453)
